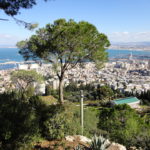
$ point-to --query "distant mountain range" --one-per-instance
(130, 45)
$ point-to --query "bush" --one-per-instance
(60, 122)
(91, 92)
(143, 139)
(25, 119)
(52, 92)
(57, 121)
(123, 124)
(18, 123)
(29, 92)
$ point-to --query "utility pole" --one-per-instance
(81, 112)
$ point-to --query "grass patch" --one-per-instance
(49, 100)
(90, 119)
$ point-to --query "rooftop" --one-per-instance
(126, 100)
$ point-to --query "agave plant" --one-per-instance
(99, 143)
(78, 147)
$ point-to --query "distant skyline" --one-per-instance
(120, 20)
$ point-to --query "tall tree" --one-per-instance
(65, 44)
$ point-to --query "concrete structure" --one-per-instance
(22, 66)
(40, 89)
(28, 66)
(33, 66)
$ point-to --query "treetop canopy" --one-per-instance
(67, 41)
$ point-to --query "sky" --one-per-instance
(120, 20)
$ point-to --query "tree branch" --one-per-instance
(4, 19)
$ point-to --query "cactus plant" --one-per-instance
(99, 143)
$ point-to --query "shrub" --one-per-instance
(29, 92)
(123, 124)
(54, 93)
(59, 122)
(91, 92)
(18, 123)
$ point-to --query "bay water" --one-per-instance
(12, 55)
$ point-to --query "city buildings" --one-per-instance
(126, 75)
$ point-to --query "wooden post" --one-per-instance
(81, 112)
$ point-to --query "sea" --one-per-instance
(10, 58)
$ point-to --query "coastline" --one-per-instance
(145, 50)
(9, 57)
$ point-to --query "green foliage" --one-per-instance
(56, 127)
(60, 122)
(23, 79)
(143, 139)
(91, 92)
(18, 123)
(12, 7)
(27, 119)
(65, 44)
(49, 100)
(123, 125)
(99, 143)
(90, 121)
(57, 121)
(145, 96)
(30, 91)
(48, 90)
(85, 42)
(104, 92)
(32, 26)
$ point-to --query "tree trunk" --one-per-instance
(61, 93)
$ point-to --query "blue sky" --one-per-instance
(120, 20)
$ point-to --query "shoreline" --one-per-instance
(130, 49)
(16, 62)
(13, 61)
